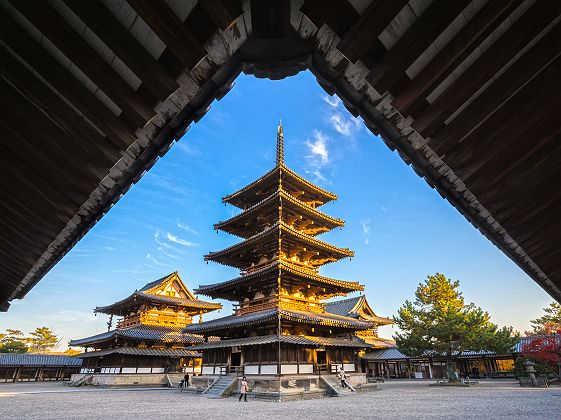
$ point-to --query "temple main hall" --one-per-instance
(148, 338)
(281, 334)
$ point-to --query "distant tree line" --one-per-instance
(41, 340)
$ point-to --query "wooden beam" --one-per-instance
(371, 24)
(48, 136)
(65, 83)
(498, 135)
(110, 30)
(535, 147)
(446, 60)
(17, 145)
(413, 43)
(487, 65)
(546, 131)
(84, 135)
(66, 39)
(339, 15)
(512, 80)
(167, 26)
(223, 13)
(270, 19)
(42, 180)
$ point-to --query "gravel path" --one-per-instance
(397, 399)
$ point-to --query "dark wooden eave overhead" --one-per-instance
(93, 93)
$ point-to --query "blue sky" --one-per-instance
(400, 229)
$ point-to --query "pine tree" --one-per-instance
(42, 340)
(439, 321)
(548, 323)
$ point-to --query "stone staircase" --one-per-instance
(84, 380)
(334, 388)
(222, 387)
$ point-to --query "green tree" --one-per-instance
(42, 340)
(548, 323)
(13, 342)
(440, 321)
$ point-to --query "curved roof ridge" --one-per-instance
(345, 251)
(281, 192)
(287, 265)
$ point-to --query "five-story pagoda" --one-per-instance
(279, 325)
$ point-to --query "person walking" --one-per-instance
(343, 377)
(243, 390)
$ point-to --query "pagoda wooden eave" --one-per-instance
(271, 316)
(136, 299)
(225, 289)
(302, 340)
(243, 254)
(246, 224)
(145, 333)
(358, 308)
(264, 186)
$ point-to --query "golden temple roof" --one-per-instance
(247, 223)
(272, 315)
(152, 293)
(222, 289)
(268, 183)
(245, 253)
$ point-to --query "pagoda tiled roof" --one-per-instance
(271, 234)
(288, 200)
(260, 317)
(159, 299)
(135, 351)
(119, 308)
(343, 286)
(141, 333)
(351, 307)
(246, 196)
(289, 339)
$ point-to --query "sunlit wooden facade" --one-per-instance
(280, 324)
(148, 337)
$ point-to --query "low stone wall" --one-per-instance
(126, 380)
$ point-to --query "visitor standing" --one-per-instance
(186, 380)
(243, 390)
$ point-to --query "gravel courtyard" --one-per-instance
(396, 399)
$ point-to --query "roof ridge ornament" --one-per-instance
(280, 145)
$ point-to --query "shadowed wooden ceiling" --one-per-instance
(94, 92)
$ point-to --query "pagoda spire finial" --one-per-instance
(280, 145)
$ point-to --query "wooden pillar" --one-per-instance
(409, 368)
(387, 369)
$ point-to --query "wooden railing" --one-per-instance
(286, 302)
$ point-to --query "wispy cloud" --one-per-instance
(339, 118)
(366, 230)
(160, 242)
(171, 237)
(187, 148)
(334, 101)
(167, 254)
(154, 261)
(346, 126)
(186, 228)
(318, 154)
